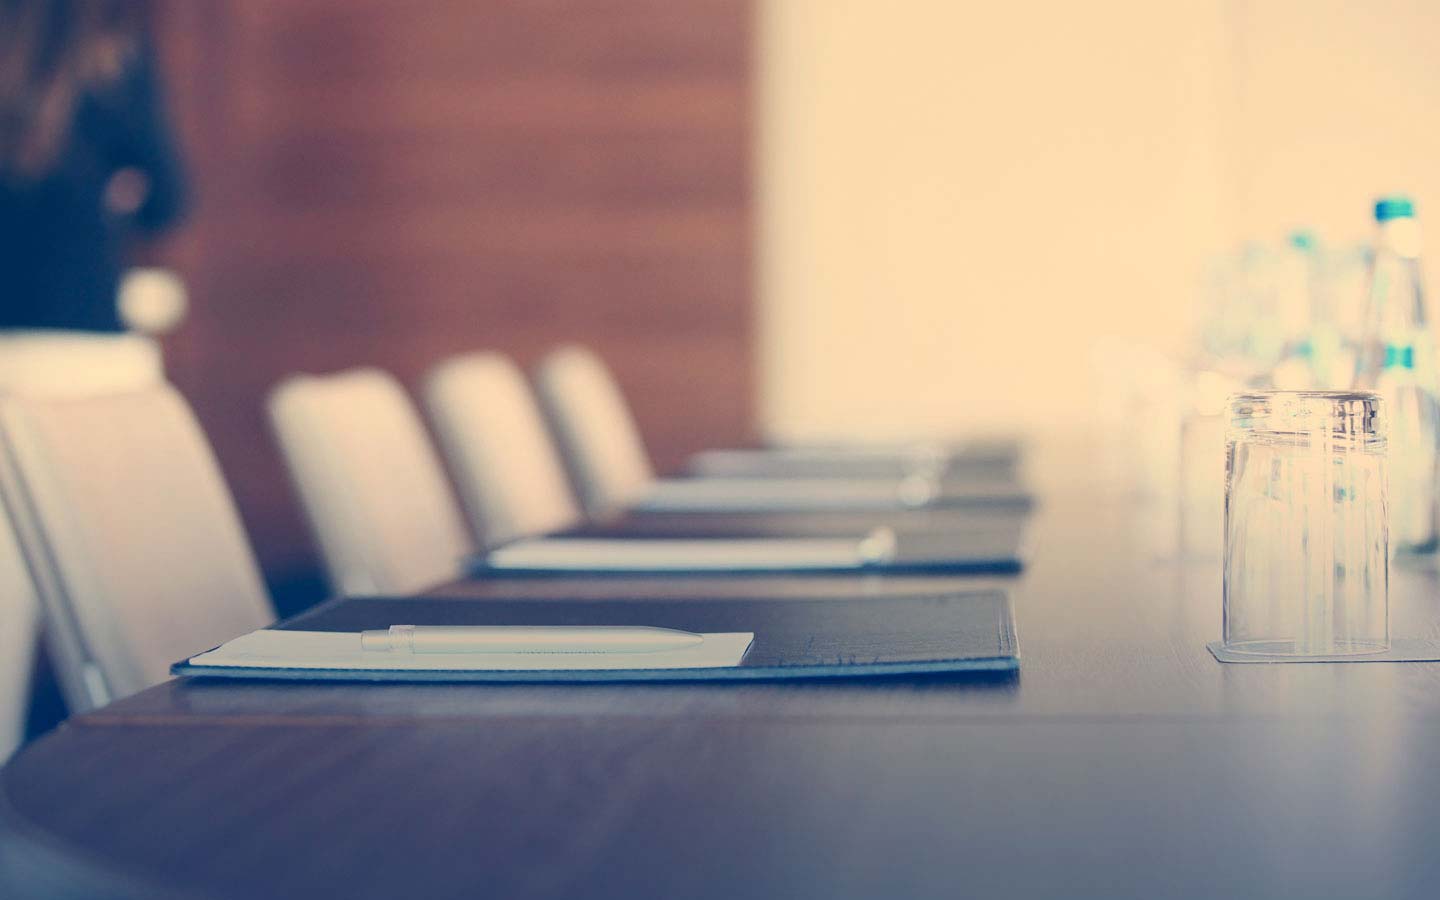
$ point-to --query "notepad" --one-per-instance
(982, 450)
(656, 555)
(801, 462)
(878, 631)
(881, 551)
(732, 494)
(269, 649)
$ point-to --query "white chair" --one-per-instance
(19, 622)
(77, 363)
(611, 469)
(511, 480)
(370, 482)
(56, 364)
(131, 537)
(594, 428)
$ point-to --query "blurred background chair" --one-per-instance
(511, 480)
(594, 428)
(19, 622)
(77, 363)
(132, 537)
(51, 363)
(370, 482)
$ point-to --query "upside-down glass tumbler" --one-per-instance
(1306, 530)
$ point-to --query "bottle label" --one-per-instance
(1399, 356)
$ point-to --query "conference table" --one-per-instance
(1121, 760)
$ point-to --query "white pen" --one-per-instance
(527, 639)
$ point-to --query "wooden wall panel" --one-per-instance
(388, 183)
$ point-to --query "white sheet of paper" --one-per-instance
(770, 494)
(742, 462)
(718, 554)
(268, 649)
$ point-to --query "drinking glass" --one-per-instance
(1306, 527)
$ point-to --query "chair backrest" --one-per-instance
(511, 480)
(19, 622)
(594, 428)
(77, 363)
(132, 539)
(58, 364)
(370, 482)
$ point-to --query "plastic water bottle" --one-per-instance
(1239, 325)
(1295, 283)
(1346, 280)
(1397, 360)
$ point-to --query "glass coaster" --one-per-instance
(1401, 650)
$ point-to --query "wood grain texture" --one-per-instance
(389, 183)
(624, 807)
(1122, 762)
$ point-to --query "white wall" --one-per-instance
(957, 199)
(1333, 101)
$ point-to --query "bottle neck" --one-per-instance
(1400, 237)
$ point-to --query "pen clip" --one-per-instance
(397, 637)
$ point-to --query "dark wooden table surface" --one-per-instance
(1123, 761)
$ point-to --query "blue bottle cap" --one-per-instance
(1396, 206)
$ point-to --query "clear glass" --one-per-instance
(1306, 569)
(1397, 361)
